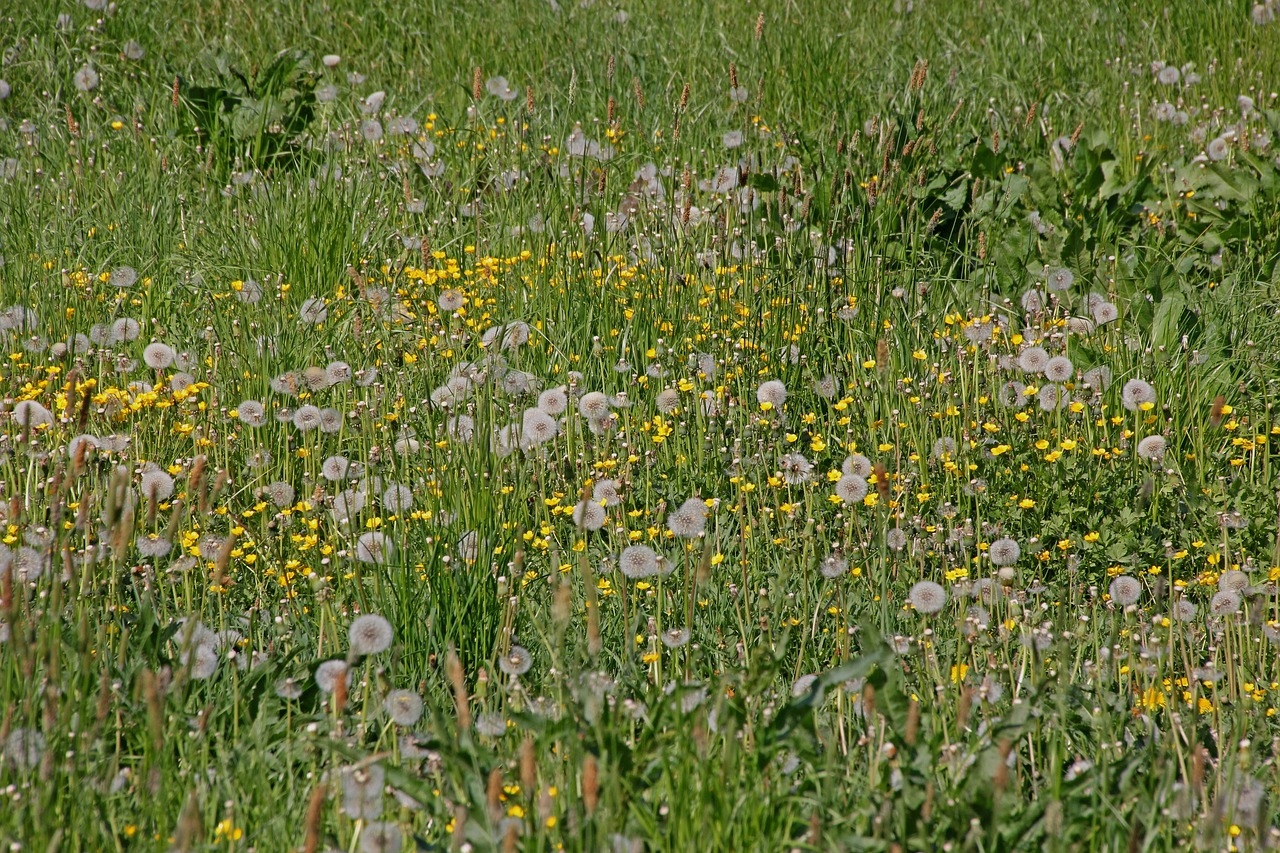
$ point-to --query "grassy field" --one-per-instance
(639, 426)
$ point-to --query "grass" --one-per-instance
(768, 292)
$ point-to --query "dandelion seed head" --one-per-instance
(638, 561)
(516, 662)
(834, 566)
(1225, 602)
(927, 597)
(1152, 447)
(553, 401)
(1004, 552)
(329, 673)
(1033, 359)
(156, 484)
(1059, 369)
(589, 515)
(772, 392)
(689, 520)
(1136, 392)
(335, 468)
(1060, 279)
(594, 405)
(373, 547)
(1125, 590)
(280, 493)
(851, 488)
(86, 79)
(158, 356)
(537, 427)
(795, 469)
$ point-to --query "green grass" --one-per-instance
(904, 179)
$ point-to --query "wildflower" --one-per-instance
(335, 468)
(461, 427)
(397, 498)
(381, 836)
(153, 546)
(469, 546)
(1004, 552)
(280, 493)
(202, 659)
(362, 791)
(1052, 397)
(249, 292)
(29, 414)
(1233, 580)
(1012, 396)
(1105, 312)
(24, 748)
(500, 89)
(1184, 610)
(1125, 590)
(1218, 149)
(944, 447)
(404, 707)
(927, 597)
(491, 725)
(369, 634)
(667, 400)
(313, 311)
(330, 421)
(895, 539)
(1098, 378)
(450, 300)
(517, 661)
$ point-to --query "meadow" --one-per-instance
(639, 426)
